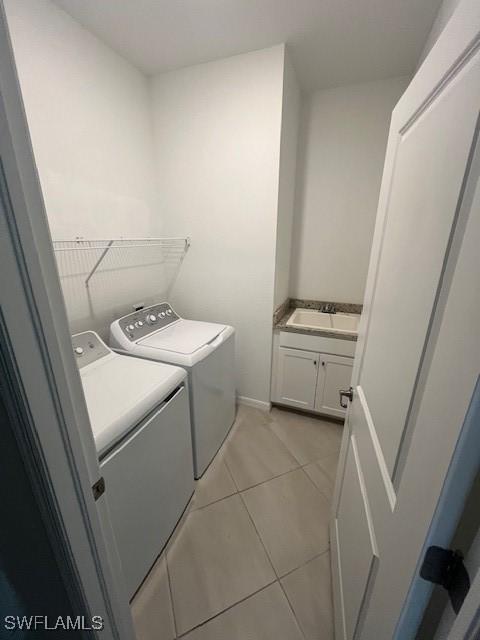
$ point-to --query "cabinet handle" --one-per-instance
(323, 363)
(314, 363)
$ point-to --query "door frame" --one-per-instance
(459, 41)
(55, 439)
(458, 483)
(467, 623)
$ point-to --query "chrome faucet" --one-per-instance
(328, 307)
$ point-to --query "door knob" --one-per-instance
(345, 393)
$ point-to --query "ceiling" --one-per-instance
(332, 42)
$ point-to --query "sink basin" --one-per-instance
(343, 323)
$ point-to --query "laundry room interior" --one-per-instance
(211, 177)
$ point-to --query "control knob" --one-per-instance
(162, 314)
(169, 312)
(151, 319)
(79, 351)
(130, 327)
(139, 324)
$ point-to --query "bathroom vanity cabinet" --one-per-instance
(309, 371)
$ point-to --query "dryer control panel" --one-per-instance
(141, 323)
(88, 347)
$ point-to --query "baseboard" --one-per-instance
(251, 402)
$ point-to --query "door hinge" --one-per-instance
(98, 489)
(445, 567)
(345, 393)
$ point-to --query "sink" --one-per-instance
(310, 319)
(343, 323)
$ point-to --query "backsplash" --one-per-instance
(281, 311)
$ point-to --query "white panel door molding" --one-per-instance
(418, 354)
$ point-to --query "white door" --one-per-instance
(334, 373)
(56, 440)
(418, 355)
(297, 377)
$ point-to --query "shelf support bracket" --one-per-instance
(96, 265)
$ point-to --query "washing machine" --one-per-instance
(140, 418)
(205, 350)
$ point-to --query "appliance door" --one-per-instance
(149, 481)
(212, 392)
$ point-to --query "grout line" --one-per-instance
(285, 445)
(261, 540)
(278, 580)
(204, 506)
(292, 610)
(286, 594)
(231, 475)
(272, 420)
(300, 465)
(239, 491)
(258, 484)
(229, 472)
(171, 597)
(274, 569)
(320, 491)
(318, 461)
(250, 595)
(258, 535)
(222, 458)
(304, 564)
(280, 475)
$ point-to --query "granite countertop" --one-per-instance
(285, 310)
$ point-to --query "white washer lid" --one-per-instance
(121, 390)
(184, 336)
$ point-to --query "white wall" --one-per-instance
(212, 172)
(90, 122)
(286, 191)
(443, 16)
(217, 132)
(340, 161)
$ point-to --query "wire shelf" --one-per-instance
(103, 279)
(85, 256)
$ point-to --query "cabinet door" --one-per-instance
(297, 377)
(335, 373)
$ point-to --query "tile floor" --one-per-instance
(250, 560)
